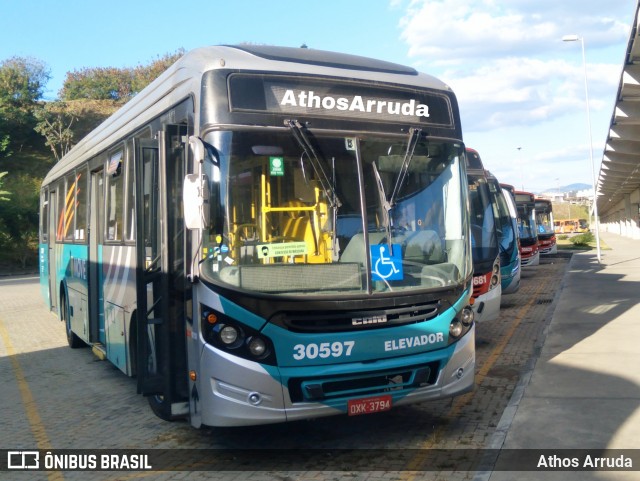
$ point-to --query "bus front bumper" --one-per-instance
(237, 392)
(533, 260)
(487, 306)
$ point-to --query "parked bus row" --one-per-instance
(267, 234)
(535, 227)
(510, 229)
(494, 236)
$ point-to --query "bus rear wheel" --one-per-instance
(73, 340)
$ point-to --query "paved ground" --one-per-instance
(54, 397)
(584, 393)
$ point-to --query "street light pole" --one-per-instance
(575, 38)
(520, 163)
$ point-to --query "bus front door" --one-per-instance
(96, 301)
(53, 215)
(153, 352)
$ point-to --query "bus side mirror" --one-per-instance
(196, 201)
(197, 149)
(195, 192)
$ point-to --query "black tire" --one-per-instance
(73, 340)
(160, 407)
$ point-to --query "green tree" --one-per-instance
(116, 84)
(61, 122)
(19, 222)
(90, 95)
(54, 123)
(98, 84)
(143, 75)
(22, 82)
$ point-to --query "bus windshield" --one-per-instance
(506, 231)
(483, 229)
(544, 217)
(527, 222)
(326, 215)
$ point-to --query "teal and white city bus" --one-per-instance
(485, 248)
(507, 223)
(266, 234)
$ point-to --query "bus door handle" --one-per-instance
(151, 263)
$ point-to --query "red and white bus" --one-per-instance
(546, 230)
(485, 247)
(529, 251)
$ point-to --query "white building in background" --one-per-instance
(552, 196)
(585, 194)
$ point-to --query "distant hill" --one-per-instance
(569, 188)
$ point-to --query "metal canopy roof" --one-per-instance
(619, 179)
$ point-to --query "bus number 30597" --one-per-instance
(323, 350)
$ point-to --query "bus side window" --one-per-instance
(69, 207)
(115, 184)
(59, 214)
(81, 207)
(44, 216)
(130, 201)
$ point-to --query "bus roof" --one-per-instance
(183, 79)
(324, 58)
(474, 163)
(521, 196)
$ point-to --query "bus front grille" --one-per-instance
(356, 320)
(364, 384)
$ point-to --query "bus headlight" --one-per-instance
(257, 347)
(455, 328)
(466, 316)
(235, 337)
(229, 335)
(461, 324)
(495, 274)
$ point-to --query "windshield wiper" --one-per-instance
(386, 218)
(301, 137)
(414, 136)
(388, 204)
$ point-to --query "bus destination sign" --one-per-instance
(320, 98)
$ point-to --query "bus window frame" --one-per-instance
(84, 184)
(69, 207)
(129, 200)
(120, 171)
(45, 212)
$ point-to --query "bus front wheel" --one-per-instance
(160, 407)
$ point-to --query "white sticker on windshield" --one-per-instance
(350, 143)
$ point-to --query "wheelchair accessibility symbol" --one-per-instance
(386, 265)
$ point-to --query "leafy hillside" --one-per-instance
(35, 134)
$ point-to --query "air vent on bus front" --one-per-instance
(305, 321)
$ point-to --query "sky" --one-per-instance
(520, 88)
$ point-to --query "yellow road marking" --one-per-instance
(30, 406)
(461, 401)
